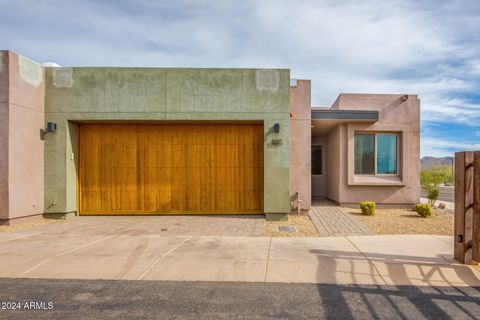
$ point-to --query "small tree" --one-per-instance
(433, 195)
(430, 179)
(446, 174)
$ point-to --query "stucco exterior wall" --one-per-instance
(397, 113)
(4, 110)
(332, 165)
(300, 135)
(160, 94)
(23, 109)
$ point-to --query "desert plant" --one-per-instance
(431, 178)
(368, 208)
(446, 172)
(423, 210)
(433, 195)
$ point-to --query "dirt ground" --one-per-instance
(28, 225)
(404, 221)
(302, 223)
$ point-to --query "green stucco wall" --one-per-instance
(156, 94)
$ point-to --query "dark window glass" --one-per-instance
(386, 154)
(364, 153)
(317, 160)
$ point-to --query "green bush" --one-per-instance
(433, 195)
(368, 208)
(423, 209)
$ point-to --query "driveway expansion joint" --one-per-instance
(63, 253)
(267, 259)
(163, 256)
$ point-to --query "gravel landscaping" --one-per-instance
(404, 221)
(28, 225)
(303, 227)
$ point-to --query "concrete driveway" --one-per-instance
(110, 248)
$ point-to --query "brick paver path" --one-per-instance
(330, 221)
(167, 225)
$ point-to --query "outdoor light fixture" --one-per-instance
(276, 127)
(51, 127)
(405, 97)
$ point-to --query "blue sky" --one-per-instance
(429, 48)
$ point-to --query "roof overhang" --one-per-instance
(324, 120)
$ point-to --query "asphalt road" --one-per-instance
(86, 299)
(446, 194)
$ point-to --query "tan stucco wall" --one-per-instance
(332, 165)
(25, 116)
(300, 136)
(395, 115)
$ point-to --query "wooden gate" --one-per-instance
(467, 207)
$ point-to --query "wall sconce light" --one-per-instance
(405, 97)
(276, 127)
(51, 127)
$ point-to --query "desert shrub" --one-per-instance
(432, 195)
(368, 208)
(423, 209)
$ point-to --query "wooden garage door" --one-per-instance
(170, 168)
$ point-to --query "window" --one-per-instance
(376, 153)
(317, 160)
(386, 154)
(364, 153)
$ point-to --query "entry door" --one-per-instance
(170, 168)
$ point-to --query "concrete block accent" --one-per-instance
(59, 216)
(276, 216)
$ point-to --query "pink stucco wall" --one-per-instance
(4, 135)
(396, 114)
(25, 117)
(333, 167)
(300, 135)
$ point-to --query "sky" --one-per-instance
(429, 48)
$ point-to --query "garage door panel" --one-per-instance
(171, 168)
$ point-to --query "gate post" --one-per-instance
(467, 207)
(476, 207)
(459, 232)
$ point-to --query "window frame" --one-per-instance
(375, 134)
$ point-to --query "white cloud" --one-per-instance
(445, 147)
(429, 48)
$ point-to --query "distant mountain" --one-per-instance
(430, 162)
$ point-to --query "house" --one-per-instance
(114, 141)
(364, 147)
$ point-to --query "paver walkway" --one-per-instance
(331, 221)
(168, 225)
